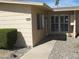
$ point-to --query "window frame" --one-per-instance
(40, 21)
(59, 22)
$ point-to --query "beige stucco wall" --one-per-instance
(17, 16)
(37, 34)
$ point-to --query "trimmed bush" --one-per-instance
(8, 38)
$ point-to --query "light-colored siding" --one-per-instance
(16, 16)
(37, 34)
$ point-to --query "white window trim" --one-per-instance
(59, 22)
(41, 21)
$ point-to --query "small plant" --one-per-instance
(8, 38)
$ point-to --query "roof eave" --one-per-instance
(66, 8)
(28, 3)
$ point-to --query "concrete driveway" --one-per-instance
(40, 52)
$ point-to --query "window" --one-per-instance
(64, 23)
(40, 21)
(54, 23)
(59, 23)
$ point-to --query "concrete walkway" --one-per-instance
(40, 52)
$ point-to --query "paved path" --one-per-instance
(68, 49)
(40, 52)
(13, 54)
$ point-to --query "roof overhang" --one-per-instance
(75, 8)
(44, 5)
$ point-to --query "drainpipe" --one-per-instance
(74, 27)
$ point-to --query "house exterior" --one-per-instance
(35, 20)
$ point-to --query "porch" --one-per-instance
(65, 22)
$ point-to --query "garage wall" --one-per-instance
(17, 16)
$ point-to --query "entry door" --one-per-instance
(59, 23)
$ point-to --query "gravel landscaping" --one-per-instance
(68, 49)
(13, 54)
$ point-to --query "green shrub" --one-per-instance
(8, 38)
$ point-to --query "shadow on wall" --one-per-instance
(60, 37)
(77, 35)
(20, 43)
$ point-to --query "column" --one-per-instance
(74, 27)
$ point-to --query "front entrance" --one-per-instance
(59, 23)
